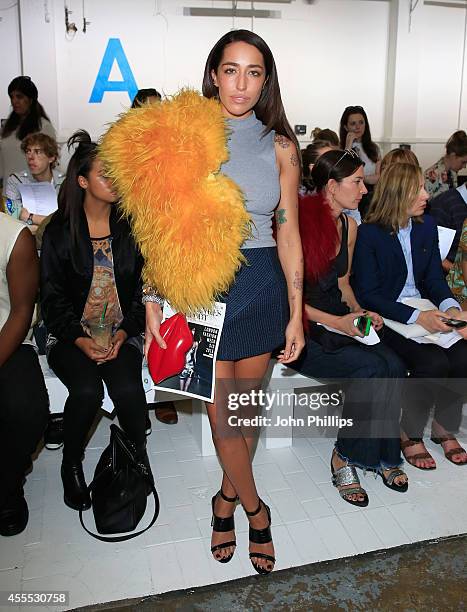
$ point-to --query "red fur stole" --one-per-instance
(319, 235)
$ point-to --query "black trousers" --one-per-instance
(83, 379)
(23, 417)
(446, 388)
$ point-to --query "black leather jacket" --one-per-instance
(66, 280)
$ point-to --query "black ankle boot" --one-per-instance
(75, 490)
(14, 516)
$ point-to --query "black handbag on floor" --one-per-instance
(119, 490)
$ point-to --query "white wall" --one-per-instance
(10, 63)
(168, 50)
(330, 54)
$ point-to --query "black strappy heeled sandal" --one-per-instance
(261, 536)
(222, 525)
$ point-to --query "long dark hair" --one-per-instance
(335, 165)
(71, 195)
(32, 121)
(368, 145)
(269, 108)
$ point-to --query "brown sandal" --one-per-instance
(407, 444)
(450, 453)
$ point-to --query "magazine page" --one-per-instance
(445, 236)
(198, 375)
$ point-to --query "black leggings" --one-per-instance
(83, 379)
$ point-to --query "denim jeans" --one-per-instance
(372, 377)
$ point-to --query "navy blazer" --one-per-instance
(380, 271)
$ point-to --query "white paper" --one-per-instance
(419, 334)
(369, 340)
(207, 326)
(445, 237)
(408, 331)
(39, 198)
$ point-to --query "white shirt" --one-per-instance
(370, 166)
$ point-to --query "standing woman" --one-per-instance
(27, 117)
(264, 303)
(355, 133)
(91, 268)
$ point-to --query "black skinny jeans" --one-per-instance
(83, 379)
(438, 377)
(24, 407)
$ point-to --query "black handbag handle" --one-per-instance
(129, 536)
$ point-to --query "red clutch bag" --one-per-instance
(164, 363)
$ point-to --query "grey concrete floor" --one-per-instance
(429, 576)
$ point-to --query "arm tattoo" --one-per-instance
(298, 282)
(280, 216)
(294, 160)
(282, 141)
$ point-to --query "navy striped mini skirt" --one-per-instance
(257, 308)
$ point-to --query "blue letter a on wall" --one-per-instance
(113, 53)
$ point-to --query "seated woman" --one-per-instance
(24, 403)
(399, 156)
(442, 175)
(325, 134)
(328, 238)
(397, 258)
(309, 157)
(449, 210)
(91, 269)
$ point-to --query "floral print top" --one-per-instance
(438, 179)
(455, 277)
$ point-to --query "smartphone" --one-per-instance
(454, 323)
(363, 325)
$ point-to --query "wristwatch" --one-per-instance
(29, 219)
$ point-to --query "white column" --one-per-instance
(403, 72)
(38, 48)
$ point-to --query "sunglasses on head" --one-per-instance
(353, 154)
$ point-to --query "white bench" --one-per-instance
(279, 379)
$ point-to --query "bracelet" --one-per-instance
(151, 295)
(153, 298)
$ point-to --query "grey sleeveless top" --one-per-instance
(252, 165)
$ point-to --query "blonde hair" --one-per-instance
(395, 192)
(399, 156)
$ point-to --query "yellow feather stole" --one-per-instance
(188, 219)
